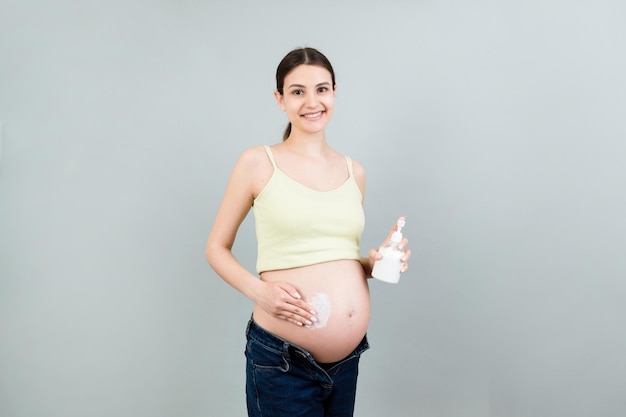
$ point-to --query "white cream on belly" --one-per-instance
(321, 305)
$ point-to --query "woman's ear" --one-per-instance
(279, 99)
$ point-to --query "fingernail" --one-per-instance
(295, 294)
(314, 319)
(308, 323)
(312, 312)
(299, 324)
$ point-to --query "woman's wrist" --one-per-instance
(367, 267)
(255, 289)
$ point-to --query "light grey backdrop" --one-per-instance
(496, 127)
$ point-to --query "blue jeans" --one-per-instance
(283, 380)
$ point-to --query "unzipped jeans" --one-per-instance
(283, 379)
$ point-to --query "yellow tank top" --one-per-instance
(298, 226)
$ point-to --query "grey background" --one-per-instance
(496, 127)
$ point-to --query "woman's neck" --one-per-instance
(307, 144)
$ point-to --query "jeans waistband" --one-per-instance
(274, 342)
(269, 339)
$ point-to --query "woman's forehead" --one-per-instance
(305, 74)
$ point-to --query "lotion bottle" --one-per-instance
(388, 268)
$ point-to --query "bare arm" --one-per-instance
(279, 299)
(233, 209)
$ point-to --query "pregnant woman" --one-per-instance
(312, 305)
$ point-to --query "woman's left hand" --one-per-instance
(374, 255)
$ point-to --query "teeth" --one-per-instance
(313, 115)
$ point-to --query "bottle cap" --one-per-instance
(396, 236)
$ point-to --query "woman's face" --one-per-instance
(308, 98)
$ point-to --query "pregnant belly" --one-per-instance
(339, 293)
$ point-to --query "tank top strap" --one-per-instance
(349, 162)
(268, 151)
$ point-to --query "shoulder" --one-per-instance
(254, 168)
(252, 159)
(359, 175)
(253, 155)
(358, 170)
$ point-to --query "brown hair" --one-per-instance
(300, 56)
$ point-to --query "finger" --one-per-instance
(293, 321)
(374, 254)
(298, 310)
(290, 289)
(305, 309)
(304, 313)
(404, 259)
(297, 319)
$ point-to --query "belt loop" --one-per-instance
(286, 350)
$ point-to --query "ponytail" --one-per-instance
(287, 132)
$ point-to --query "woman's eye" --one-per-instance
(322, 89)
(297, 92)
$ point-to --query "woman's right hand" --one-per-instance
(282, 300)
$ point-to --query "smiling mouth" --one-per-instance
(313, 115)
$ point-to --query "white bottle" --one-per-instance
(388, 268)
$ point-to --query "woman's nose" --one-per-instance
(311, 100)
